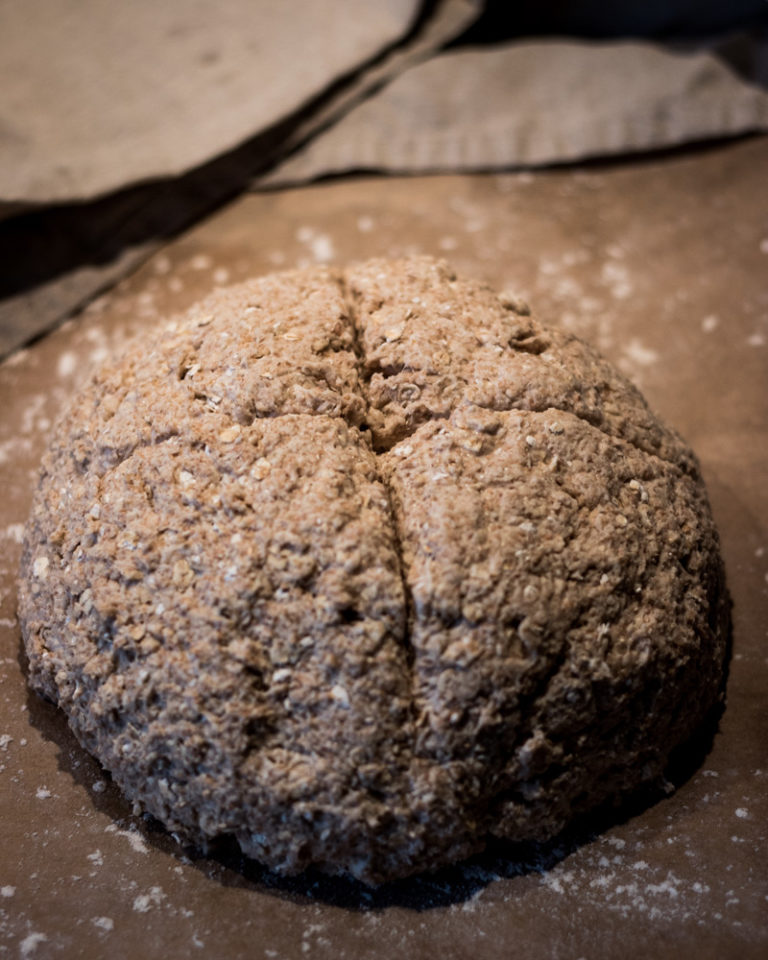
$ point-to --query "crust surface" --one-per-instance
(366, 566)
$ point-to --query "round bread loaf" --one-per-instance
(365, 567)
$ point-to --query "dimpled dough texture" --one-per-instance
(365, 567)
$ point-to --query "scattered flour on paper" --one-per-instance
(132, 836)
(637, 353)
(67, 364)
(320, 244)
(14, 531)
(30, 943)
(615, 277)
(96, 858)
(144, 902)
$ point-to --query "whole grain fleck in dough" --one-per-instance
(366, 566)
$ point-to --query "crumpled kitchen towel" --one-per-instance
(97, 94)
(122, 124)
(534, 102)
(133, 108)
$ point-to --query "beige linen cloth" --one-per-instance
(121, 124)
(156, 113)
(96, 94)
(529, 103)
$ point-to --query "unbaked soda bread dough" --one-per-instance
(366, 567)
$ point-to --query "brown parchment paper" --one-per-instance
(664, 266)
